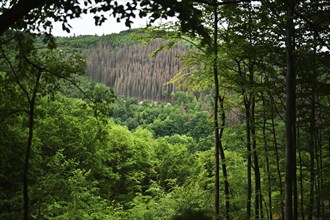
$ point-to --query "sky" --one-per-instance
(85, 26)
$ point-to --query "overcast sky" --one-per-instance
(86, 26)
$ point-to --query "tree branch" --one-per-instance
(16, 75)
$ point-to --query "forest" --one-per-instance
(221, 114)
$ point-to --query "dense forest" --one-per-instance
(223, 114)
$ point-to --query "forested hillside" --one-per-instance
(255, 146)
(126, 64)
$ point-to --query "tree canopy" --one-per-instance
(70, 149)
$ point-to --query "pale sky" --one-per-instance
(86, 26)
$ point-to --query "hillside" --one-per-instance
(125, 64)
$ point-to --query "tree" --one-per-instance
(290, 128)
(31, 74)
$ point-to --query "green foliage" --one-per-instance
(153, 160)
(184, 117)
(82, 43)
(76, 195)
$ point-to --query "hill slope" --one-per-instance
(125, 65)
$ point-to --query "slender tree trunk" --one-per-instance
(258, 200)
(249, 156)
(301, 180)
(318, 188)
(278, 164)
(312, 157)
(290, 112)
(216, 119)
(223, 159)
(261, 207)
(26, 163)
(294, 161)
(321, 174)
(32, 103)
(318, 146)
(311, 182)
(270, 205)
(247, 107)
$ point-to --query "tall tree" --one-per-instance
(31, 72)
(215, 115)
(290, 111)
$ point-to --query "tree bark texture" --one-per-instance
(223, 159)
(216, 119)
(278, 163)
(290, 112)
(312, 157)
(270, 205)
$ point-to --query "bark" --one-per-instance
(278, 164)
(247, 107)
(267, 162)
(223, 159)
(249, 156)
(318, 188)
(312, 157)
(321, 202)
(290, 112)
(301, 179)
(294, 161)
(258, 199)
(216, 119)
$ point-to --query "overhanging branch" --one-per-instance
(17, 12)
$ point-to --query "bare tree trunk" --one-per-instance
(32, 104)
(278, 164)
(223, 159)
(270, 205)
(318, 147)
(318, 188)
(294, 161)
(312, 157)
(290, 112)
(301, 180)
(247, 107)
(258, 200)
(216, 119)
(321, 202)
(249, 156)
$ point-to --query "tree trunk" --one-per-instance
(294, 161)
(223, 159)
(318, 147)
(258, 199)
(32, 103)
(312, 157)
(321, 174)
(249, 156)
(247, 107)
(301, 180)
(290, 112)
(318, 188)
(278, 164)
(216, 119)
(270, 205)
